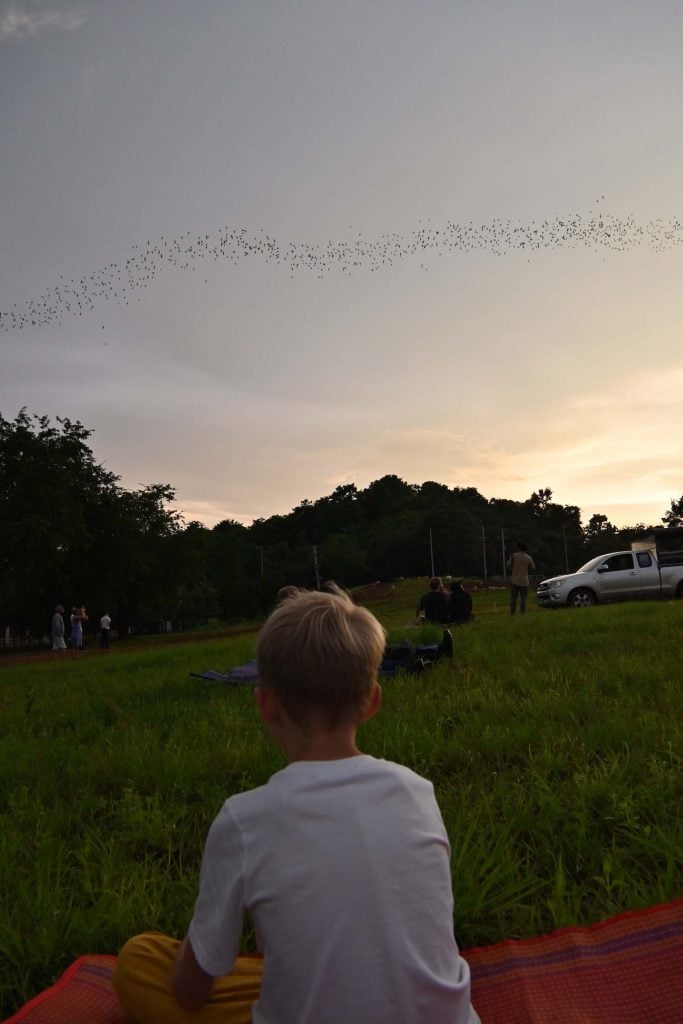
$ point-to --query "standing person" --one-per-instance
(341, 859)
(58, 642)
(77, 618)
(519, 564)
(436, 604)
(105, 628)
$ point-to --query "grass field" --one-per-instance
(554, 742)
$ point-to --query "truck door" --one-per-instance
(650, 582)
(619, 577)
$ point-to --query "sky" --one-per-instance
(266, 247)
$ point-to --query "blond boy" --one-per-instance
(341, 859)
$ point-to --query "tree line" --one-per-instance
(71, 534)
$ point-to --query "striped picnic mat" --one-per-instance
(625, 970)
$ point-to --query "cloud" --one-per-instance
(207, 512)
(416, 454)
(21, 20)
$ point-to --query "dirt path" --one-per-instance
(31, 658)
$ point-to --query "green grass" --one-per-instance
(553, 741)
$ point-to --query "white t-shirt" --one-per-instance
(345, 868)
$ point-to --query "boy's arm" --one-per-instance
(190, 983)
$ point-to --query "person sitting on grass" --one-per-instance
(341, 859)
(461, 604)
(435, 605)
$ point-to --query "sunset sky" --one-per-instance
(384, 160)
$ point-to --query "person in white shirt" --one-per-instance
(341, 859)
(105, 630)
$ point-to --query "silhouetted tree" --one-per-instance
(674, 517)
(70, 533)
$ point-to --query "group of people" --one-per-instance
(77, 617)
(455, 607)
(445, 607)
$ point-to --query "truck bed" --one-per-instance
(670, 558)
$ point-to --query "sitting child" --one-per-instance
(341, 859)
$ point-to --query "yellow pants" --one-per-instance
(142, 980)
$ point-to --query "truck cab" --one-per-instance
(628, 574)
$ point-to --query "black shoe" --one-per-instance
(446, 646)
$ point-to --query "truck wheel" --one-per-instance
(581, 598)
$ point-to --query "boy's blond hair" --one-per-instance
(320, 653)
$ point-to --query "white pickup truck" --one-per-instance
(617, 576)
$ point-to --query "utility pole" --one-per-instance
(316, 566)
(566, 556)
(483, 547)
(431, 549)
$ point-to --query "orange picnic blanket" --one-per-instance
(625, 970)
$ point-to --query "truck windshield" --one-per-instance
(592, 564)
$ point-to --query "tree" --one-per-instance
(387, 495)
(598, 526)
(455, 532)
(49, 481)
(343, 559)
(600, 535)
(70, 534)
(340, 511)
(674, 517)
(397, 545)
(189, 597)
(231, 569)
(540, 500)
